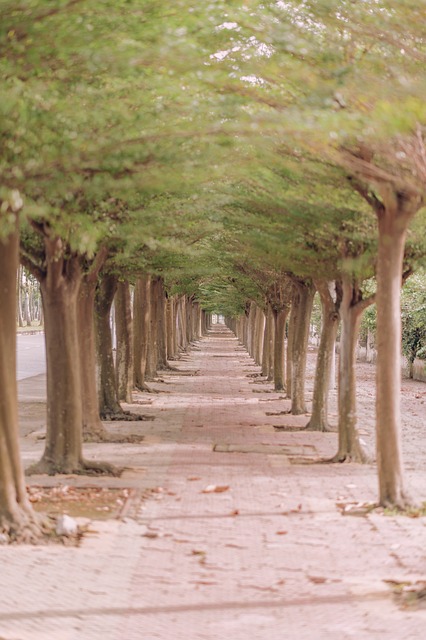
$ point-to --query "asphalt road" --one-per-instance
(31, 359)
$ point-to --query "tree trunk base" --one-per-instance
(132, 438)
(403, 504)
(126, 416)
(298, 411)
(105, 437)
(168, 367)
(26, 527)
(94, 433)
(84, 468)
(144, 388)
(319, 426)
(360, 457)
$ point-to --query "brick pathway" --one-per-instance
(270, 557)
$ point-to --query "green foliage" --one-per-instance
(413, 315)
(209, 142)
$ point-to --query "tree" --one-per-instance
(414, 319)
(18, 521)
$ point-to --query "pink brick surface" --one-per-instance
(270, 558)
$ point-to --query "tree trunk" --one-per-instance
(18, 521)
(266, 342)
(259, 324)
(330, 321)
(141, 314)
(152, 348)
(188, 320)
(289, 359)
(280, 318)
(19, 296)
(302, 302)
(181, 324)
(271, 348)
(351, 313)
(93, 429)
(124, 353)
(171, 328)
(59, 288)
(369, 351)
(161, 324)
(251, 329)
(392, 232)
(107, 388)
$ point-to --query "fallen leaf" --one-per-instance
(234, 546)
(193, 478)
(281, 532)
(317, 579)
(214, 488)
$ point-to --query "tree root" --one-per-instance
(319, 426)
(25, 526)
(342, 456)
(277, 413)
(402, 504)
(144, 388)
(84, 467)
(126, 416)
(298, 412)
(187, 373)
(168, 367)
(132, 438)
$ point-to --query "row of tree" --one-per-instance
(232, 153)
(29, 309)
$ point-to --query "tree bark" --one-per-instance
(290, 346)
(280, 319)
(302, 301)
(152, 347)
(18, 521)
(171, 328)
(266, 341)
(393, 222)
(124, 353)
(251, 329)
(59, 289)
(19, 297)
(351, 310)
(141, 314)
(93, 429)
(107, 388)
(330, 321)
(181, 324)
(259, 324)
(161, 324)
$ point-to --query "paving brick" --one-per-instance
(270, 557)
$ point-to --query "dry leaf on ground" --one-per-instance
(214, 488)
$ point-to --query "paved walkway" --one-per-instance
(242, 537)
